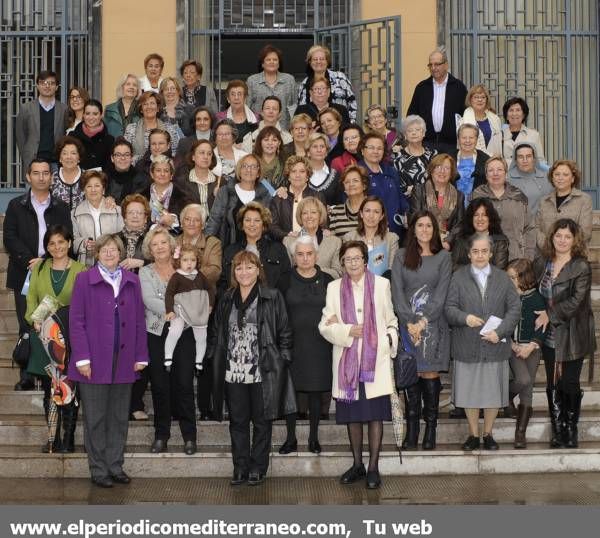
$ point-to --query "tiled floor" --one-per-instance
(564, 488)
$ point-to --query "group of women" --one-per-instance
(330, 248)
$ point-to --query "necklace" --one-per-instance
(63, 274)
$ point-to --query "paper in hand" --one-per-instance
(491, 324)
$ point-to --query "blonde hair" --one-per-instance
(311, 201)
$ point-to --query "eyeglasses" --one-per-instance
(438, 64)
(374, 148)
(135, 212)
(376, 116)
(442, 168)
(192, 220)
(224, 135)
(319, 89)
(75, 97)
(249, 166)
(108, 251)
(121, 155)
(351, 138)
(352, 261)
(299, 128)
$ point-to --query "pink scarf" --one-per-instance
(349, 370)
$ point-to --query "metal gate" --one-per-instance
(545, 52)
(367, 51)
(37, 35)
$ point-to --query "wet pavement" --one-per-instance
(520, 489)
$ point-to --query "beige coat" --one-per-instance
(578, 206)
(111, 222)
(328, 254)
(495, 145)
(338, 333)
(515, 221)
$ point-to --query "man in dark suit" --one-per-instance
(27, 218)
(437, 100)
(41, 122)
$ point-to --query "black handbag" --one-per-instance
(22, 350)
(405, 362)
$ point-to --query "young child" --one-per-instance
(188, 302)
(527, 341)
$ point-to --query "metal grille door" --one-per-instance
(37, 35)
(543, 51)
(369, 53)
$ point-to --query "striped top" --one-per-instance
(342, 220)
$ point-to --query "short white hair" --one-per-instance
(410, 120)
(304, 240)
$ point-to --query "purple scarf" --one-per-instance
(349, 370)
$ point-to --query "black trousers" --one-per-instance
(571, 372)
(138, 390)
(205, 388)
(175, 388)
(21, 308)
(245, 402)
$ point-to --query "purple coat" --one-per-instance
(91, 328)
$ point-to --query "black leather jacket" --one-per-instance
(274, 355)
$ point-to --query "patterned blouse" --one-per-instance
(412, 169)
(341, 92)
(242, 347)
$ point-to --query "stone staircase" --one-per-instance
(23, 431)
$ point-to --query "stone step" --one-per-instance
(27, 462)
(7, 344)
(31, 431)
(30, 402)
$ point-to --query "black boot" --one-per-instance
(412, 401)
(572, 410)
(69, 421)
(431, 402)
(555, 408)
(510, 411)
(523, 416)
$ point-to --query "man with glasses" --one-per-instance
(41, 122)
(438, 100)
(123, 178)
(27, 218)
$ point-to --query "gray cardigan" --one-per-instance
(500, 299)
(153, 294)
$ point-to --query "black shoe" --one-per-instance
(302, 416)
(206, 416)
(314, 447)
(373, 480)
(324, 416)
(457, 412)
(255, 478)
(102, 481)
(158, 446)
(430, 388)
(289, 446)
(354, 474)
(472, 443)
(489, 443)
(25, 385)
(238, 478)
(190, 447)
(120, 478)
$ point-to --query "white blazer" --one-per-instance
(338, 333)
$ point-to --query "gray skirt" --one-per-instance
(480, 385)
